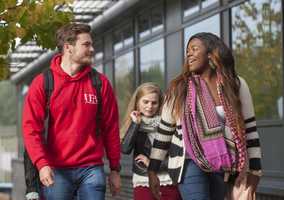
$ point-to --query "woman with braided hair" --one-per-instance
(208, 126)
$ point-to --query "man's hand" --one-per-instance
(154, 184)
(46, 176)
(114, 183)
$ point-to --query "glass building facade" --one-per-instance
(148, 43)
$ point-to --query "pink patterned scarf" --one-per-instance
(204, 133)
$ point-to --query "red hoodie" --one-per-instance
(72, 139)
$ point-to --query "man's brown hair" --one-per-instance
(68, 34)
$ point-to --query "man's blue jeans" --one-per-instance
(199, 185)
(86, 183)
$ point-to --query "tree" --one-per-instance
(29, 20)
(258, 49)
(154, 74)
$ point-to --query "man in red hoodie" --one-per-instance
(70, 161)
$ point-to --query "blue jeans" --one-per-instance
(86, 183)
(199, 185)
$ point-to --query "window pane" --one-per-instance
(123, 38)
(190, 7)
(144, 26)
(205, 25)
(99, 67)
(257, 45)
(118, 41)
(152, 63)
(124, 83)
(98, 47)
(109, 73)
(128, 36)
(99, 56)
(157, 19)
(207, 3)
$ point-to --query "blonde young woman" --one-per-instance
(208, 126)
(138, 133)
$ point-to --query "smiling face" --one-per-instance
(148, 104)
(197, 56)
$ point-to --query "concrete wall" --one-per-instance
(9, 150)
(19, 187)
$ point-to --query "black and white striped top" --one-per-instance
(170, 139)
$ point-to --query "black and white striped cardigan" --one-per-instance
(170, 139)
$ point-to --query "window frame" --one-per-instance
(201, 12)
(149, 12)
(161, 37)
(101, 60)
(120, 30)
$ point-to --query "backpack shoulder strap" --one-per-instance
(97, 84)
(48, 84)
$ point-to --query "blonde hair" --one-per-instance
(142, 90)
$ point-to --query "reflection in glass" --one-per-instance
(152, 63)
(97, 64)
(124, 83)
(109, 73)
(123, 38)
(157, 20)
(98, 48)
(190, 7)
(99, 67)
(128, 36)
(99, 55)
(207, 3)
(144, 26)
(118, 41)
(128, 41)
(203, 26)
(257, 45)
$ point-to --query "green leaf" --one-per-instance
(2, 6)
(11, 3)
(31, 20)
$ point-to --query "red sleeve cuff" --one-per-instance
(114, 164)
(41, 163)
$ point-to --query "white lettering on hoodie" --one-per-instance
(90, 99)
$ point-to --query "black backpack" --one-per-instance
(31, 173)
